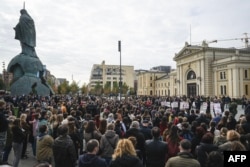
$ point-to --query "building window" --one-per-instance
(246, 74)
(151, 85)
(150, 78)
(221, 90)
(225, 90)
(246, 89)
(223, 75)
(191, 75)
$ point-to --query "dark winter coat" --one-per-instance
(91, 160)
(202, 152)
(18, 135)
(126, 161)
(139, 137)
(3, 122)
(64, 152)
(156, 152)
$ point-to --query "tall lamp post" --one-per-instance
(120, 81)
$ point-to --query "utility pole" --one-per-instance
(120, 81)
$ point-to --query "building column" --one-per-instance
(181, 83)
(235, 86)
(215, 83)
(242, 86)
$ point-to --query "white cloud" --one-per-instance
(74, 35)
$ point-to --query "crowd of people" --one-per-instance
(89, 131)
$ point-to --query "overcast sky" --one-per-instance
(74, 35)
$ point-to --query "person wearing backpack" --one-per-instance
(108, 142)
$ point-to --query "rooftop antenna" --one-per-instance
(24, 5)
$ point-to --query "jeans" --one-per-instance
(17, 147)
(34, 146)
(7, 150)
(2, 143)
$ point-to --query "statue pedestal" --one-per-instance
(26, 70)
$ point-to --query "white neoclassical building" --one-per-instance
(204, 70)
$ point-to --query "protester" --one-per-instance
(125, 155)
(18, 138)
(156, 150)
(134, 131)
(184, 157)
(3, 128)
(44, 151)
(9, 139)
(91, 132)
(108, 142)
(215, 159)
(206, 146)
(64, 149)
(173, 140)
(90, 159)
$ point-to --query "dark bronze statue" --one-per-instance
(26, 33)
(26, 67)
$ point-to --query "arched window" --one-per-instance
(191, 75)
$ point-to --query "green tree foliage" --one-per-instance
(115, 88)
(64, 88)
(73, 87)
(125, 88)
(98, 88)
(84, 89)
(52, 84)
(107, 88)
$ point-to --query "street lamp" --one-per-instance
(120, 81)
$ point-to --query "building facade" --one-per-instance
(103, 73)
(147, 82)
(201, 70)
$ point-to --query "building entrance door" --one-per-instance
(191, 89)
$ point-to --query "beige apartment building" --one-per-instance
(103, 73)
(202, 70)
(146, 80)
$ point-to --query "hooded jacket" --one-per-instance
(91, 160)
(64, 152)
(108, 143)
